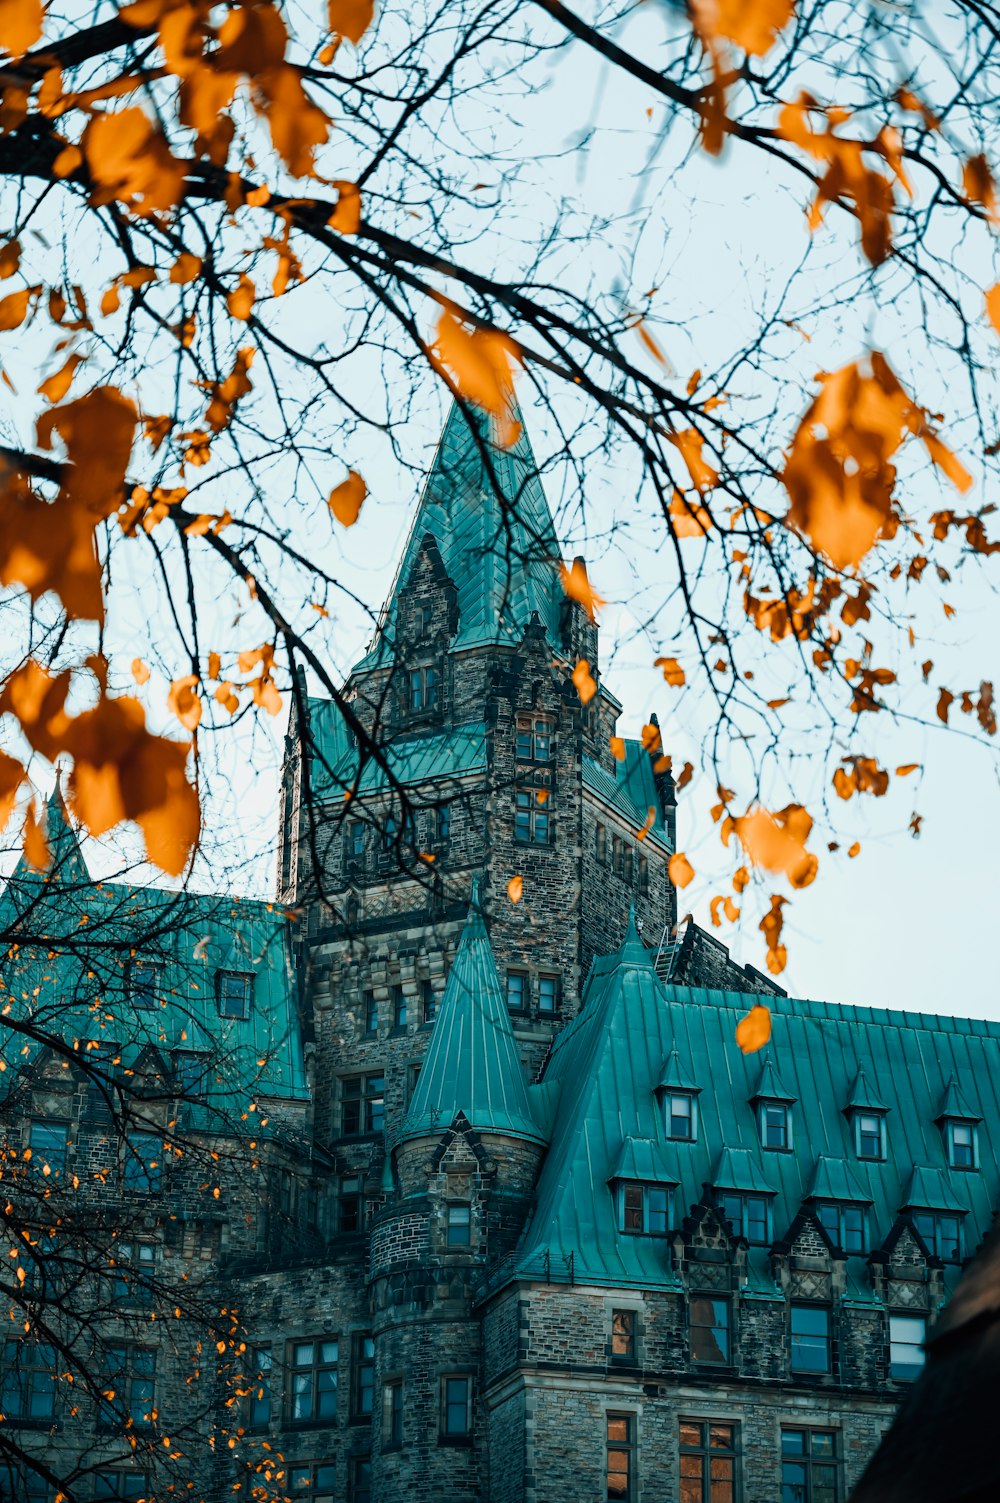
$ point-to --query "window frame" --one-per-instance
(808, 1462)
(648, 1212)
(316, 1368)
(133, 1258)
(316, 1488)
(259, 1406)
(392, 1414)
(29, 1373)
(400, 1008)
(446, 1435)
(745, 1197)
(454, 1221)
(808, 1307)
(359, 1479)
(139, 1174)
(49, 1126)
(522, 990)
(842, 1236)
(371, 1013)
(425, 680)
(532, 813)
(949, 1126)
(428, 1002)
(369, 1104)
(128, 1381)
(906, 1372)
(224, 975)
(351, 1194)
(627, 1337)
(719, 1302)
(601, 843)
(362, 1376)
(860, 1116)
(705, 1453)
(442, 824)
(548, 987)
(152, 990)
(135, 1486)
(937, 1240)
(356, 840)
(766, 1105)
(690, 1099)
(530, 727)
(625, 1447)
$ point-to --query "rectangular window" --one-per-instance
(517, 991)
(868, 1140)
(134, 1265)
(29, 1382)
(708, 1462)
(312, 1381)
(621, 1458)
(190, 1073)
(421, 690)
(616, 855)
(356, 840)
(456, 1406)
(810, 1328)
(412, 1076)
(258, 1399)
(351, 1206)
(389, 832)
(128, 1373)
(747, 1216)
(907, 1334)
(534, 738)
(548, 994)
(362, 1377)
(961, 1141)
(314, 1481)
(48, 1142)
(442, 823)
(809, 1472)
(941, 1234)
(120, 1487)
(532, 822)
(643, 1209)
(681, 1117)
(623, 1335)
(145, 983)
(709, 1329)
(400, 1009)
(360, 1479)
(602, 845)
(362, 1105)
(459, 1225)
(643, 877)
(845, 1225)
(428, 1002)
(775, 1126)
(235, 994)
(392, 1413)
(142, 1164)
(370, 1004)
(627, 864)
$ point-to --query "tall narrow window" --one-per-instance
(961, 1142)
(351, 1206)
(456, 1406)
(709, 1329)
(907, 1334)
(616, 855)
(534, 738)
(142, 1164)
(532, 821)
(428, 1001)
(548, 994)
(356, 839)
(362, 1105)
(362, 1377)
(360, 1479)
(517, 991)
(869, 1136)
(681, 1116)
(809, 1472)
(29, 1382)
(810, 1331)
(621, 1458)
(258, 1401)
(312, 1381)
(145, 982)
(643, 877)
(234, 990)
(128, 1374)
(48, 1141)
(459, 1224)
(623, 1336)
(421, 690)
(392, 1414)
(370, 1003)
(775, 1125)
(442, 823)
(400, 1009)
(602, 845)
(708, 1462)
(134, 1268)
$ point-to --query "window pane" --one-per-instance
(810, 1345)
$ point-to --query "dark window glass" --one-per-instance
(941, 1234)
(350, 1206)
(534, 738)
(532, 822)
(708, 1462)
(747, 1216)
(134, 1267)
(360, 1479)
(129, 1373)
(517, 991)
(29, 1379)
(190, 1072)
(422, 689)
(428, 1001)
(623, 1335)
(120, 1487)
(456, 1406)
(602, 844)
(709, 1328)
(643, 1208)
(142, 1164)
(442, 823)
(621, 1458)
(810, 1327)
(363, 1384)
(400, 1009)
(774, 1124)
(235, 993)
(869, 1136)
(961, 1139)
(681, 1118)
(371, 1014)
(145, 983)
(356, 839)
(844, 1224)
(643, 877)
(392, 1413)
(906, 1346)
(809, 1471)
(259, 1395)
(548, 993)
(362, 1105)
(412, 1076)
(425, 617)
(314, 1481)
(459, 1225)
(312, 1381)
(616, 855)
(48, 1141)
(390, 830)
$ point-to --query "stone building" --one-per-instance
(497, 1210)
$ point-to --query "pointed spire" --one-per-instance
(472, 1064)
(673, 1078)
(863, 1097)
(954, 1104)
(67, 865)
(769, 1086)
(632, 950)
(485, 508)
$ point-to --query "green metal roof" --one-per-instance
(769, 1086)
(674, 1078)
(863, 1097)
(954, 1104)
(488, 514)
(424, 757)
(642, 1159)
(630, 790)
(81, 994)
(608, 1063)
(472, 1064)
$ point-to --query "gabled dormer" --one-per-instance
(840, 1205)
(866, 1113)
(678, 1092)
(744, 1196)
(937, 1213)
(772, 1105)
(642, 1183)
(959, 1124)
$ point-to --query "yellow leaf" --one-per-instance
(20, 25)
(576, 585)
(139, 671)
(753, 1031)
(751, 25)
(347, 498)
(776, 841)
(515, 889)
(351, 18)
(184, 701)
(480, 364)
(691, 443)
(241, 300)
(583, 681)
(130, 160)
(679, 869)
(55, 387)
(346, 217)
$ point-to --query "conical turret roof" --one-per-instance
(472, 1064)
(486, 510)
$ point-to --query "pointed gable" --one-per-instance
(769, 1086)
(472, 1064)
(832, 1180)
(954, 1105)
(863, 1097)
(929, 1190)
(641, 1159)
(485, 509)
(737, 1169)
(674, 1078)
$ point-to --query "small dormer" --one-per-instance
(743, 1196)
(866, 1112)
(678, 1095)
(642, 1185)
(840, 1205)
(936, 1213)
(773, 1104)
(959, 1125)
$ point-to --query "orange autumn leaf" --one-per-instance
(297, 125)
(214, 666)
(906, 769)
(241, 300)
(944, 703)
(679, 869)
(185, 269)
(854, 849)
(347, 499)
(20, 25)
(140, 672)
(689, 519)
(673, 673)
(129, 160)
(14, 309)
(771, 926)
(583, 681)
(576, 586)
(346, 217)
(480, 363)
(184, 701)
(687, 773)
(690, 443)
(36, 846)
(647, 823)
(350, 18)
(55, 387)
(617, 745)
(776, 841)
(978, 184)
(12, 774)
(225, 695)
(515, 889)
(226, 394)
(993, 306)
(754, 1031)
(860, 775)
(10, 258)
(751, 25)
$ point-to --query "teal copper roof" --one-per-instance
(642, 1159)
(424, 757)
(88, 1000)
(769, 1086)
(674, 1078)
(630, 790)
(608, 1063)
(954, 1104)
(472, 1065)
(864, 1097)
(486, 509)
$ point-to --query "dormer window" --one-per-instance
(643, 1209)
(941, 1234)
(962, 1143)
(746, 1216)
(844, 1224)
(869, 1136)
(681, 1109)
(774, 1119)
(145, 982)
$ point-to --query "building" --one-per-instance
(479, 1198)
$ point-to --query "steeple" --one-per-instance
(472, 1063)
(486, 512)
(67, 866)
